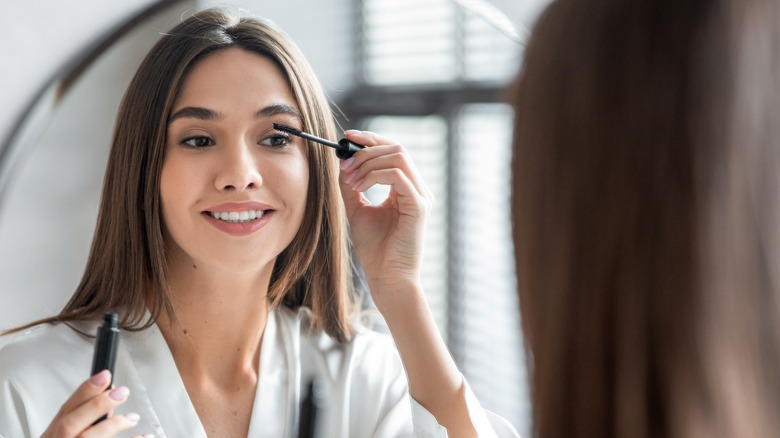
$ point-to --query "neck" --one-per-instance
(219, 323)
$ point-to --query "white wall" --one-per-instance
(47, 217)
(38, 36)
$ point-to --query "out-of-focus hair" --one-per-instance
(127, 265)
(646, 215)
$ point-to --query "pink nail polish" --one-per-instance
(346, 163)
(356, 185)
(132, 417)
(350, 177)
(351, 131)
(120, 393)
(100, 378)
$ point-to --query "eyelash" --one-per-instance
(185, 141)
(286, 139)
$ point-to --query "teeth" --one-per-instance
(238, 217)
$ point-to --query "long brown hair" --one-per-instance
(646, 215)
(127, 265)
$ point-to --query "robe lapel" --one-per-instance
(275, 408)
(159, 384)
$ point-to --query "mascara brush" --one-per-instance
(344, 148)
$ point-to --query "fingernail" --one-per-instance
(148, 435)
(350, 177)
(346, 163)
(100, 378)
(352, 131)
(356, 185)
(132, 417)
(120, 393)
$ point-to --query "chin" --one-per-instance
(242, 265)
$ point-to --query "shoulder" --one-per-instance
(369, 356)
(371, 347)
(46, 350)
(367, 345)
(38, 371)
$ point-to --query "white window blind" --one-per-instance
(425, 140)
(432, 41)
(488, 55)
(486, 338)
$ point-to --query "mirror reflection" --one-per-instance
(432, 82)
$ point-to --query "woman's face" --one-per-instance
(233, 189)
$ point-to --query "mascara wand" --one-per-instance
(344, 148)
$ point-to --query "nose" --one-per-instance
(238, 170)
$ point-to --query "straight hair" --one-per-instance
(646, 217)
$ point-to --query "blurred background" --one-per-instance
(430, 73)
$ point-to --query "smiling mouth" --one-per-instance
(238, 217)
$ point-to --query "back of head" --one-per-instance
(646, 217)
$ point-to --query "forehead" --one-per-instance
(235, 79)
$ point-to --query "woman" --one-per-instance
(222, 242)
(646, 217)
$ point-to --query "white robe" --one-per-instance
(368, 395)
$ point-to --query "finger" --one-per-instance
(83, 416)
(112, 425)
(352, 200)
(396, 159)
(96, 385)
(405, 191)
(376, 145)
(373, 151)
(379, 146)
(367, 138)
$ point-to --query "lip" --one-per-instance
(238, 229)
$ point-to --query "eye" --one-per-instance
(278, 140)
(197, 141)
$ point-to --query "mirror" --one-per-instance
(52, 167)
(48, 209)
(51, 171)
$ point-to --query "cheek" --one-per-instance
(293, 174)
(169, 180)
(176, 185)
(295, 186)
(303, 180)
(167, 195)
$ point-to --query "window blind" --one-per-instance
(485, 335)
(425, 141)
(432, 41)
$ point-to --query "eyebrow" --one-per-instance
(276, 109)
(195, 112)
(192, 112)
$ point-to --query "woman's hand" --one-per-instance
(388, 237)
(90, 402)
(388, 240)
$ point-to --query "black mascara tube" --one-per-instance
(312, 404)
(344, 148)
(348, 149)
(106, 342)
